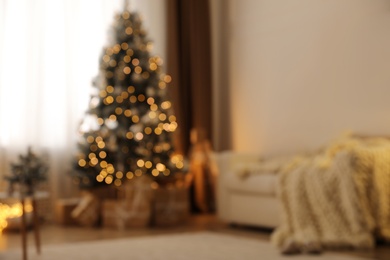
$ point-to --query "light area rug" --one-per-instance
(184, 246)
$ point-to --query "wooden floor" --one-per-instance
(55, 234)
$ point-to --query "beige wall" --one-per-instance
(300, 72)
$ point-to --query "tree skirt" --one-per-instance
(199, 245)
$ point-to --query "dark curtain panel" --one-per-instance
(189, 64)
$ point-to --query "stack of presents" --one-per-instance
(139, 203)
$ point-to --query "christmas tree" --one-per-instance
(127, 130)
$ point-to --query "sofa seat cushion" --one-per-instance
(264, 184)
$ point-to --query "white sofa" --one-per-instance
(250, 200)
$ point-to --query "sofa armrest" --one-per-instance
(227, 162)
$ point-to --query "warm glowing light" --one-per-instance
(130, 52)
(152, 114)
(148, 164)
(141, 98)
(112, 63)
(128, 113)
(119, 99)
(98, 139)
(162, 116)
(140, 163)
(129, 175)
(131, 89)
(109, 99)
(91, 155)
(101, 145)
(150, 101)
(175, 159)
(103, 93)
(117, 182)
(149, 46)
(135, 119)
(154, 185)
(112, 117)
(138, 70)
(167, 78)
(102, 154)
(129, 135)
(167, 172)
(135, 62)
(166, 146)
(158, 131)
(166, 105)
(153, 107)
(109, 51)
(148, 130)
(138, 172)
(94, 161)
(100, 121)
(90, 139)
(129, 30)
(172, 118)
(133, 99)
(161, 167)
(179, 164)
(82, 163)
(124, 46)
(13, 211)
(155, 172)
(116, 48)
(118, 111)
(172, 126)
(126, 70)
(124, 95)
(110, 169)
(103, 164)
(106, 58)
(139, 136)
(119, 175)
(103, 173)
(159, 61)
(108, 179)
(145, 75)
(99, 178)
(125, 15)
(153, 66)
(126, 59)
(110, 89)
(162, 85)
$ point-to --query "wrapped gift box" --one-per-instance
(121, 214)
(87, 212)
(171, 206)
(63, 211)
(133, 207)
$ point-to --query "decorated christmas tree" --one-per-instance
(127, 130)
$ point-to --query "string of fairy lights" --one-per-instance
(127, 130)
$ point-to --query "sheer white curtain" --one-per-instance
(49, 54)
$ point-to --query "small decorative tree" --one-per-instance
(27, 173)
(127, 130)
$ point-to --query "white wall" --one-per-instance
(153, 13)
(301, 72)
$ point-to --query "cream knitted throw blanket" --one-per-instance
(339, 197)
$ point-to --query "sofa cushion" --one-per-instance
(265, 184)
